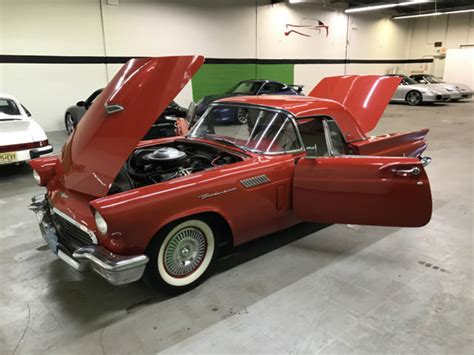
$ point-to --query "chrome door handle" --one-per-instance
(404, 172)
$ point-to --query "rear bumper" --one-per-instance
(117, 269)
(37, 152)
(28, 154)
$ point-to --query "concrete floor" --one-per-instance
(309, 289)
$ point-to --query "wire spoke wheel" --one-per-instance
(185, 252)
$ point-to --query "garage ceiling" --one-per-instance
(418, 8)
(429, 6)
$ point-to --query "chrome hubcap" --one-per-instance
(185, 252)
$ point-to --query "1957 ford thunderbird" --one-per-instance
(163, 209)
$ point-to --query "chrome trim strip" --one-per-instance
(77, 224)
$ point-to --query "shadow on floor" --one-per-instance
(93, 303)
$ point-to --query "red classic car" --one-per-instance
(165, 208)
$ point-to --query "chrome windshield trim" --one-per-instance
(288, 114)
(77, 224)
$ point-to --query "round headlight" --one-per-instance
(100, 223)
(37, 177)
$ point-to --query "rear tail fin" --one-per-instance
(364, 96)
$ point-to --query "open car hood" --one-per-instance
(119, 118)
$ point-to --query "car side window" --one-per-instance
(321, 137)
(313, 136)
(335, 138)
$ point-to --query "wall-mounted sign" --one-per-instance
(307, 27)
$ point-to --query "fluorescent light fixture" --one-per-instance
(433, 14)
(383, 6)
(369, 8)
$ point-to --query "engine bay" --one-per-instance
(164, 162)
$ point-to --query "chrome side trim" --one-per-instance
(77, 224)
(113, 108)
(255, 181)
(214, 194)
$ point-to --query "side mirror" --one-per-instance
(81, 104)
(312, 152)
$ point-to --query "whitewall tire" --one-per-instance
(181, 255)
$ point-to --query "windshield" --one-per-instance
(433, 80)
(263, 130)
(246, 87)
(409, 80)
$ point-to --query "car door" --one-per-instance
(370, 190)
(401, 91)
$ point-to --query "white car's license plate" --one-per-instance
(7, 157)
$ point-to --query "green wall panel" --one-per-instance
(278, 72)
(218, 78)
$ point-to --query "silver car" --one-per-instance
(456, 91)
(414, 94)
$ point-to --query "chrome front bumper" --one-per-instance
(117, 269)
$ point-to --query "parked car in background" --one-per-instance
(246, 87)
(167, 208)
(415, 94)
(456, 91)
(170, 123)
(21, 138)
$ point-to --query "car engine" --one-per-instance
(152, 165)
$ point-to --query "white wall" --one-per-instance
(370, 36)
(50, 27)
(214, 28)
(223, 28)
(452, 30)
(459, 66)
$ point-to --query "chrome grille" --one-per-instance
(69, 231)
(255, 181)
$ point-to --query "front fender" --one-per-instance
(134, 217)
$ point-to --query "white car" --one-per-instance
(21, 138)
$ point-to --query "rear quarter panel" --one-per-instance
(411, 144)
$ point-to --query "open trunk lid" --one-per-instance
(119, 118)
(364, 96)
